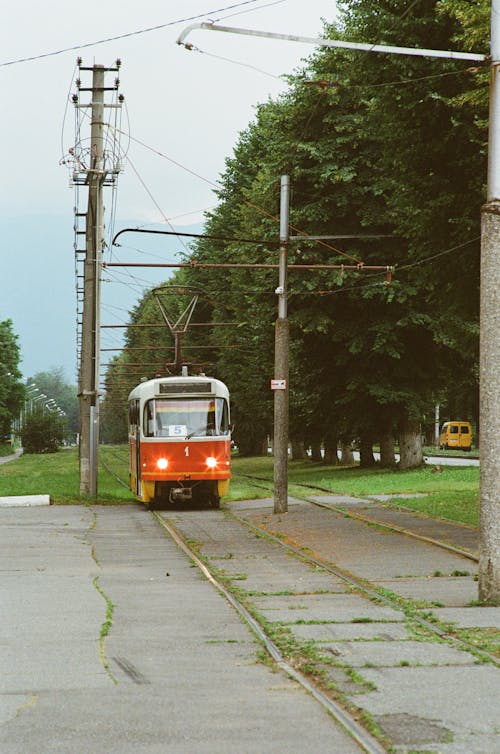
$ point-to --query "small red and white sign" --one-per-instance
(278, 384)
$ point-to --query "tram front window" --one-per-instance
(181, 417)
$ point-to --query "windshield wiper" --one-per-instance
(195, 431)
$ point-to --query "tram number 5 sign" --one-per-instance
(278, 384)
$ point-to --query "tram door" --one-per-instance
(138, 449)
(135, 443)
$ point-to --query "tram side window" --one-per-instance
(133, 413)
(148, 420)
(222, 417)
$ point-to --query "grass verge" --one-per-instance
(451, 492)
(57, 475)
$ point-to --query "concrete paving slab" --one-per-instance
(186, 670)
(341, 499)
(267, 578)
(361, 654)
(452, 533)
(470, 617)
(324, 632)
(335, 608)
(459, 701)
(257, 566)
(451, 591)
(397, 496)
(359, 549)
(265, 503)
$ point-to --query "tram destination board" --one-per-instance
(185, 387)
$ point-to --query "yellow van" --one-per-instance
(456, 436)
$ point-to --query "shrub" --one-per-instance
(42, 433)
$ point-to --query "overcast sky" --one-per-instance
(190, 106)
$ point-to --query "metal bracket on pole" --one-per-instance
(338, 43)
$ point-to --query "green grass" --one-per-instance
(57, 475)
(452, 491)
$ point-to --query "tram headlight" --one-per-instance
(211, 462)
(162, 464)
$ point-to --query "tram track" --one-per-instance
(371, 592)
(350, 579)
(367, 519)
(338, 710)
(368, 743)
(365, 740)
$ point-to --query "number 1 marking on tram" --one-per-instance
(186, 450)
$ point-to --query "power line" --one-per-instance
(124, 36)
(251, 10)
(324, 84)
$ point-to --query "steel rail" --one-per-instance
(372, 593)
(353, 581)
(367, 742)
(375, 521)
(395, 528)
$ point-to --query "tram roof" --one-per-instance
(179, 386)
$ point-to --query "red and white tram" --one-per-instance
(180, 440)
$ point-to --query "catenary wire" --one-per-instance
(249, 204)
(193, 48)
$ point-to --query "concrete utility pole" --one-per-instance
(96, 163)
(89, 368)
(489, 360)
(281, 348)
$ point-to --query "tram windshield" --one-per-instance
(186, 417)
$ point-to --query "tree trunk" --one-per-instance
(387, 459)
(366, 459)
(410, 445)
(330, 456)
(298, 450)
(316, 455)
(346, 454)
(251, 446)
